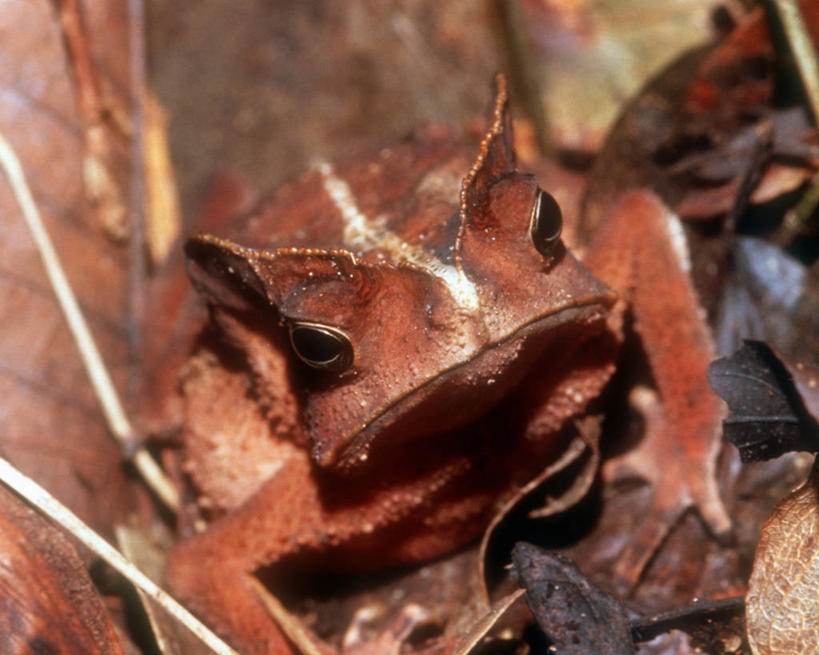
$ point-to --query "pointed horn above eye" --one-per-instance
(497, 151)
(230, 275)
(223, 271)
(286, 268)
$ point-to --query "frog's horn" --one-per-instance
(238, 278)
(223, 273)
(495, 158)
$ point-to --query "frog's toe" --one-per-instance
(682, 476)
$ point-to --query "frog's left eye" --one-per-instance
(321, 347)
(546, 223)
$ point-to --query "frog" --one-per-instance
(396, 341)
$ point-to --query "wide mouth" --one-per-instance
(351, 448)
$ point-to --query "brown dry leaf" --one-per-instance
(49, 603)
(576, 616)
(53, 429)
(782, 605)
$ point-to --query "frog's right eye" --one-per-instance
(321, 347)
(546, 222)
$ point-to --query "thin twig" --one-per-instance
(60, 514)
(796, 218)
(647, 628)
(136, 55)
(106, 393)
(291, 627)
(803, 53)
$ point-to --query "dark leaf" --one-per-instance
(577, 618)
(767, 417)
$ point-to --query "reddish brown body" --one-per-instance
(396, 341)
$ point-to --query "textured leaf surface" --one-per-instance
(48, 602)
(782, 605)
(52, 427)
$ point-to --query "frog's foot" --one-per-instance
(680, 468)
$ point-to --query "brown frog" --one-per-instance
(395, 342)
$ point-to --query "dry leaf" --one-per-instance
(288, 82)
(577, 617)
(53, 428)
(768, 417)
(782, 605)
(49, 604)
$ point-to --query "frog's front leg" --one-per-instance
(340, 525)
(211, 571)
(641, 252)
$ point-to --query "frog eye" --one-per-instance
(321, 347)
(546, 223)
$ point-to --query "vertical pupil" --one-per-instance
(547, 222)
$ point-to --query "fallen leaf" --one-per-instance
(53, 428)
(782, 605)
(707, 106)
(578, 618)
(590, 56)
(768, 417)
(289, 82)
(49, 604)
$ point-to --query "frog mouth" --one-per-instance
(350, 450)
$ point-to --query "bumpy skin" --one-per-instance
(474, 337)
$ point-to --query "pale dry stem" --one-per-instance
(60, 514)
(802, 48)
